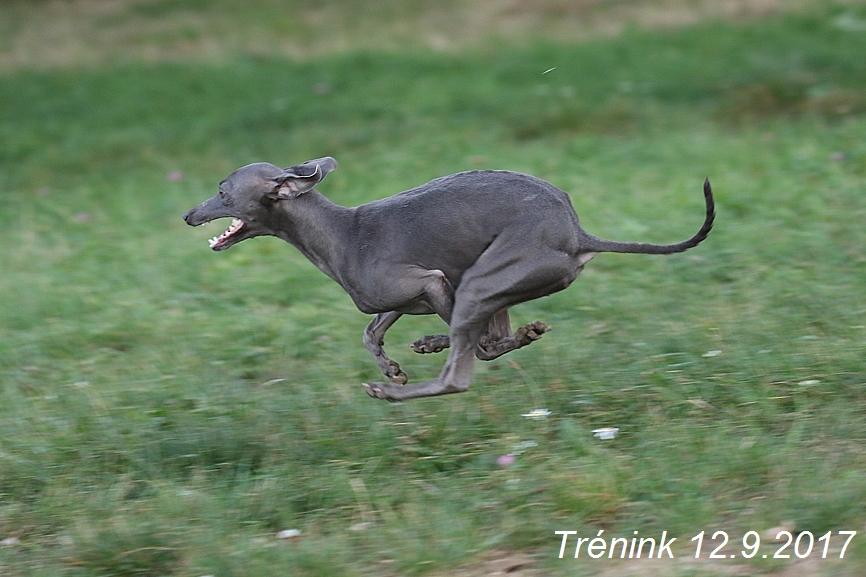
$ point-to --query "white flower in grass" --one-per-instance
(537, 414)
(606, 433)
(362, 526)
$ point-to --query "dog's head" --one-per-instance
(249, 194)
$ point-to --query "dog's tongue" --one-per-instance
(232, 229)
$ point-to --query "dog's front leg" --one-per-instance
(455, 377)
(374, 339)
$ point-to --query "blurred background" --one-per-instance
(170, 411)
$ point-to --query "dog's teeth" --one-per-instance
(235, 226)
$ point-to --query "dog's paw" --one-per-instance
(396, 374)
(430, 344)
(380, 391)
(533, 331)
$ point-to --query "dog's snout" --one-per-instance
(186, 217)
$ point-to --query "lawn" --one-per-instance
(168, 411)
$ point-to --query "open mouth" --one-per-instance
(218, 242)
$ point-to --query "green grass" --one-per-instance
(165, 410)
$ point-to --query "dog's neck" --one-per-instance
(318, 228)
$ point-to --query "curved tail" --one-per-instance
(595, 244)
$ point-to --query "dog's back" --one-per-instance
(447, 223)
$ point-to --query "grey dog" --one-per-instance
(465, 247)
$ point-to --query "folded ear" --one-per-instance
(296, 180)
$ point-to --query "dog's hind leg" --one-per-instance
(431, 344)
(496, 342)
(499, 328)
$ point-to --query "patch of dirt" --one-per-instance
(500, 564)
(86, 33)
(707, 568)
(503, 564)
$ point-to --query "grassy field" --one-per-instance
(167, 411)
